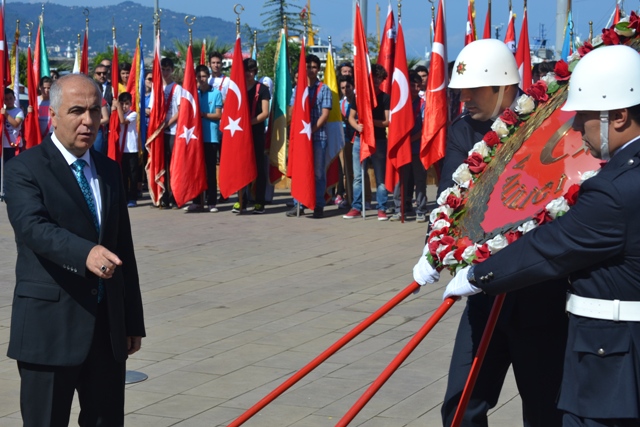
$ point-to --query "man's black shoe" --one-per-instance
(318, 213)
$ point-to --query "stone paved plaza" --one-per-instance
(235, 304)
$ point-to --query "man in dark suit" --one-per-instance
(487, 76)
(596, 244)
(77, 309)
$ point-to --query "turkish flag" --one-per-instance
(365, 93)
(387, 49)
(434, 128)
(188, 170)
(84, 61)
(3, 66)
(401, 118)
(487, 24)
(114, 150)
(510, 37)
(134, 82)
(203, 52)
(523, 56)
(300, 162)
(237, 159)
(32, 134)
(155, 140)
(470, 34)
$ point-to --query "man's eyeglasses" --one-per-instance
(101, 73)
(149, 79)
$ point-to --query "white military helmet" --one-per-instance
(487, 62)
(607, 78)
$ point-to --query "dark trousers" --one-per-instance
(412, 175)
(167, 197)
(130, 174)
(536, 353)
(210, 160)
(571, 420)
(260, 184)
(46, 392)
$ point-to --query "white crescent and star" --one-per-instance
(233, 125)
(306, 129)
(187, 95)
(305, 95)
(235, 89)
(188, 134)
(438, 49)
(401, 80)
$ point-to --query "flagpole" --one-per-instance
(235, 10)
(402, 171)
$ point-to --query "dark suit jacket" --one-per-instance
(527, 307)
(55, 302)
(596, 244)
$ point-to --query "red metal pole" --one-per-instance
(396, 362)
(325, 354)
(478, 359)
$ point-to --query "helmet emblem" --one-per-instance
(461, 68)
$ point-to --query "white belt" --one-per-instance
(616, 310)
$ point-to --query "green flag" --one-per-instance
(279, 103)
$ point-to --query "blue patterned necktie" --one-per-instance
(78, 171)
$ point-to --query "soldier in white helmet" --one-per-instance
(531, 331)
(596, 245)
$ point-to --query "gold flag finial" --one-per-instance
(29, 27)
(189, 20)
(238, 9)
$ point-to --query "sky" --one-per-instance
(334, 17)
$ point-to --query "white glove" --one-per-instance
(423, 272)
(459, 286)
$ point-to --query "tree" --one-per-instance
(212, 46)
(267, 56)
(346, 51)
(108, 54)
(274, 15)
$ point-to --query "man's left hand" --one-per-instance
(133, 344)
(459, 286)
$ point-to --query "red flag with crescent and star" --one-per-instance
(84, 61)
(470, 34)
(523, 55)
(401, 118)
(487, 23)
(155, 140)
(114, 149)
(32, 134)
(387, 49)
(510, 37)
(365, 93)
(434, 129)
(237, 159)
(300, 162)
(188, 171)
(203, 52)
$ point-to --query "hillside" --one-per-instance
(64, 23)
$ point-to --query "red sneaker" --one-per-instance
(353, 213)
(382, 216)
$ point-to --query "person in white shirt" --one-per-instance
(13, 117)
(218, 80)
(172, 95)
(129, 147)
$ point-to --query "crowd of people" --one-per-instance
(351, 193)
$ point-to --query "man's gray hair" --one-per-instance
(55, 94)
